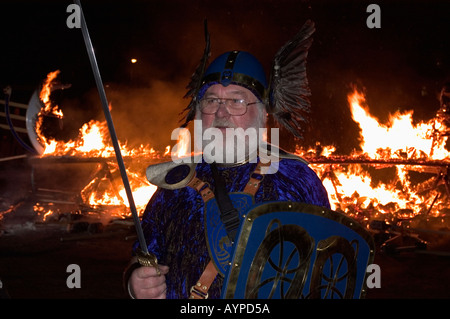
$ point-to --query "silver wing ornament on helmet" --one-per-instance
(288, 92)
(196, 80)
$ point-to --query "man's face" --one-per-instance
(222, 119)
(253, 118)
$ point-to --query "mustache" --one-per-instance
(222, 123)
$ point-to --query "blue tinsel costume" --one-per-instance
(173, 221)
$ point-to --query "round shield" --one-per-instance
(297, 250)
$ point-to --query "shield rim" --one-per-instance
(231, 279)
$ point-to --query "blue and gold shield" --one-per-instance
(296, 250)
(220, 246)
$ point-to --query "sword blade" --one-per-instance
(112, 131)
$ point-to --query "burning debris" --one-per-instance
(398, 180)
(93, 146)
(396, 185)
(76, 183)
(402, 150)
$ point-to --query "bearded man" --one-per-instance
(231, 97)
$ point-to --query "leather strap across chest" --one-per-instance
(251, 187)
(200, 289)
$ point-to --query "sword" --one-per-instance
(145, 258)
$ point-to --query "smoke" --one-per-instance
(141, 115)
(147, 115)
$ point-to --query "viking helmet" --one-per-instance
(235, 67)
(286, 94)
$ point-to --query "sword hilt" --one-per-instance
(147, 259)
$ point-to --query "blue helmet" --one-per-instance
(286, 97)
(235, 67)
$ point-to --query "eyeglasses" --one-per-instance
(234, 106)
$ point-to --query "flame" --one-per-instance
(45, 95)
(43, 211)
(182, 148)
(167, 152)
(400, 135)
(93, 141)
(352, 188)
(101, 192)
(48, 109)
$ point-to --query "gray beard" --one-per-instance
(233, 148)
(230, 149)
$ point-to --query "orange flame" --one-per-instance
(45, 95)
(48, 108)
(352, 189)
(93, 141)
(399, 136)
(182, 148)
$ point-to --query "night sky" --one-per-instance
(401, 65)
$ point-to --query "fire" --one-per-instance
(45, 95)
(101, 192)
(352, 188)
(92, 138)
(49, 109)
(183, 146)
(399, 136)
(167, 152)
(362, 191)
(93, 141)
(43, 211)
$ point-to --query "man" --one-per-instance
(231, 95)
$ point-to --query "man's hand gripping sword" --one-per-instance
(144, 257)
